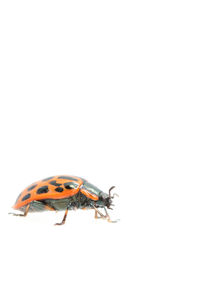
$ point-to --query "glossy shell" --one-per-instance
(56, 193)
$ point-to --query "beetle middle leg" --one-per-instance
(64, 218)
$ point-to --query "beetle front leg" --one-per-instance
(108, 217)
(101, 216)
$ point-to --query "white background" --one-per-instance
(109, 91)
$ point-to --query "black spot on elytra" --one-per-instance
(67, 177)
(32, 187)
(53, 182)
(59, 189)
(48, 178)
(27, 196)
(70, 185)
(44, 189)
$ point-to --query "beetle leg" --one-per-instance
(108, 217)
(64, 218)
(22, 215)
(98, 212)
(96, 215)
(47, 207)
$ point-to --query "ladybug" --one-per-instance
(64, 193)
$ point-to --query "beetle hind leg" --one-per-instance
(22, 215)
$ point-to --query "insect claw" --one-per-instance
(115, 221)
(57, 224)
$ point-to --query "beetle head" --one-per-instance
(107, 198)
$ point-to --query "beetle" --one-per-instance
(64, 193)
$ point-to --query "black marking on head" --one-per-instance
(48, 178)
(32, 187)
(67, 177)
(70, 185)
(53, 182)
(27, 196)
(44, 189)
(59, 189)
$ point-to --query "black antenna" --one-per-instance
(112, 187)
